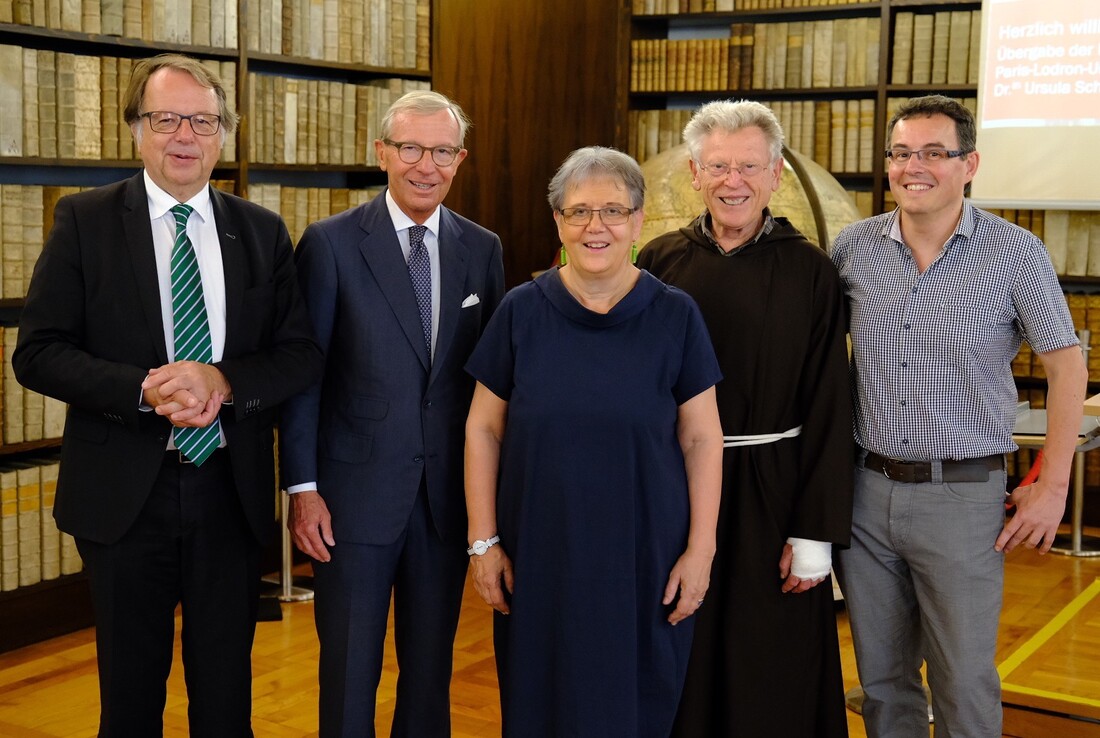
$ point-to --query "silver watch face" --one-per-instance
(480, 547)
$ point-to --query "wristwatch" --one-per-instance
(480, 547)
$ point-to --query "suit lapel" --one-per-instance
(452, 278)
(234, 268)
(139, 240)
(382, 252)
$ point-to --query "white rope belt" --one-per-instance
(760, 438)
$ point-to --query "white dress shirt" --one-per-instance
(203, 232)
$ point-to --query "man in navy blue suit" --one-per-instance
(398, 290)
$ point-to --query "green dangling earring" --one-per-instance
(563, 260)
(634, 253)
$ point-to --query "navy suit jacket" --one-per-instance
(91, 329)
(384, 416)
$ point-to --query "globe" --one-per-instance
(808, 196)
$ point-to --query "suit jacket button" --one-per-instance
(419, 459)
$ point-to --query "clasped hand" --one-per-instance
(189, 393)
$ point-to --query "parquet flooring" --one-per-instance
(49, 690)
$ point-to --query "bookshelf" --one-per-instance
(833, 73)
(902, 49)
(311, 80)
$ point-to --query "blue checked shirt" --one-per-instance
(931, 352)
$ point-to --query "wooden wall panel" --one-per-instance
(538, 78)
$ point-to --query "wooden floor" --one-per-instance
(1049, 644)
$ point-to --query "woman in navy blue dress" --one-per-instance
(593, 473)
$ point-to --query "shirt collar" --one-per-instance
(765, 229)
(402, 222)
(160, 202)
(965, 227)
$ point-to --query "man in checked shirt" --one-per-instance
(941, 294)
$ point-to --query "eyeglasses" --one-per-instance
(163, 121)
(411, 153)
(608, 216)
(928, 156)
(721, 171)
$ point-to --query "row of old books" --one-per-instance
(864, 200)
(380, 33)
(27, 416)
(32, 549)
(57, 105)
(936, 48)
(311, 121)
(26, 216)
(383, 33)
(1072, 238)
(654, 131)
(837, 134)
(841, 52)
(675, 7)
(663, 7)
(197, 22)
(301, 206)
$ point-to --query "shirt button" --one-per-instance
(905, 441)
(906, 326)
(903, 403)
(904, 364)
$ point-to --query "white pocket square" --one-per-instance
(471, 301)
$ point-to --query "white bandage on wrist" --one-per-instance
(812, 559)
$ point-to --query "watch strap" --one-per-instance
(481, 547)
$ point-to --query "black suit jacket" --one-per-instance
(91, 329)
(384, 416)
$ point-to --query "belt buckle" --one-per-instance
(184, 459)
(903, 467)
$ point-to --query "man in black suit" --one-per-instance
(372, 455)
(167, 471)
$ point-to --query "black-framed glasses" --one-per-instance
(928, 156)
(165, 121)
(722, 170)
(410, 153)
(614, 215)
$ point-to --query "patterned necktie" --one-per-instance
(191, 332)
(420, 272)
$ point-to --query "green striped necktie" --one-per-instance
(191, 331)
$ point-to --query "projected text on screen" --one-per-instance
(1041, 72)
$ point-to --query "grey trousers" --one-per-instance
(922, 583)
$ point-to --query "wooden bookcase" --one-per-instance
(832, 87)
(367, 52)
(918, 50)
